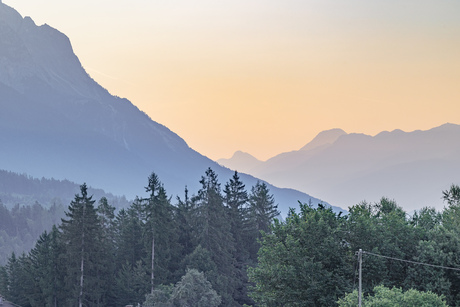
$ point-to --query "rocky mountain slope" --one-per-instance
(57, 122)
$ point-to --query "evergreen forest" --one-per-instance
(29, 206)
(149, 253)
(227, 246)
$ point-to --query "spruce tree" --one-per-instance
(214, 234)
(160, 233)
(82, 234)
(106, 269)
(262, 211)
(18, 280)
(47, 270)
(236, 200)
(129, 240)
(184, 220)
(132, 283)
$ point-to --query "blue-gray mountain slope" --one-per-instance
(57, 122)
(411, 167)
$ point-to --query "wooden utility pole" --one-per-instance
(360, 282)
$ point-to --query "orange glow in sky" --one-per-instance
(266, 76)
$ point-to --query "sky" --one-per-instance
(265, 76)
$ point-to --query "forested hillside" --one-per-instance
(20, 226)
(26, 190)
(29, 206)
(223, 246)
(100, 257)
(311, 258)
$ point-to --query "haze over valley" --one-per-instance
(110, 201)
(57, 122)
(409, 167)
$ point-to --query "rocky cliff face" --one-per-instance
(57, 122)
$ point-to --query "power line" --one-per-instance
(361, 252)
(413, 262)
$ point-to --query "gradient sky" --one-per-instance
(266, 76)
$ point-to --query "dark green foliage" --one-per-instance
(160, 231)
(132, 283)
(316, 250)
(82, 236)
(46, 266)
(184, 218)
(262, 211)
(18, 280)
(106, 268)
(27, 190)
(303, 261)
(384, 296)
(307, 260)
(161, 297)
(21, 226)
(381, 228)
(452, 196)
(129, 237)
(193, 289)
(214, 235)
(236, 200)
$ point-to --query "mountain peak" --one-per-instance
(240, 161)
(447, 127)
(324, 138)
(241, 154)
(41, 57)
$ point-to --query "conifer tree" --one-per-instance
(81, 234)
(18, 280)
(106, 269)
(160, 233)
(184, 220)
(236, 200)
(262, 211)
(129, 239)
(3, 280)
(214, 234)
(47, 270)
(132, 283)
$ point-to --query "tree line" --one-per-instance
(151, 253)
(224, 247)
(20, 226)
(310, 258)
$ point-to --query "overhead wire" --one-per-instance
(413, 262)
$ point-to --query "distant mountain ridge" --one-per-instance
(324, 138)
(240, 161)
(411, 167)
(57, 122)
(23, 190)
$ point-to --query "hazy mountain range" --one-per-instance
(57, 122)
(411, 167)
(26, 190)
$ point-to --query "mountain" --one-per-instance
(26, 191)
(324, 138)
(245, 162)
(240, 161)
(411, 167)
(57, 122)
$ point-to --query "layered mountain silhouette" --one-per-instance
(412, 168)
(26, 190)
(57, 122)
